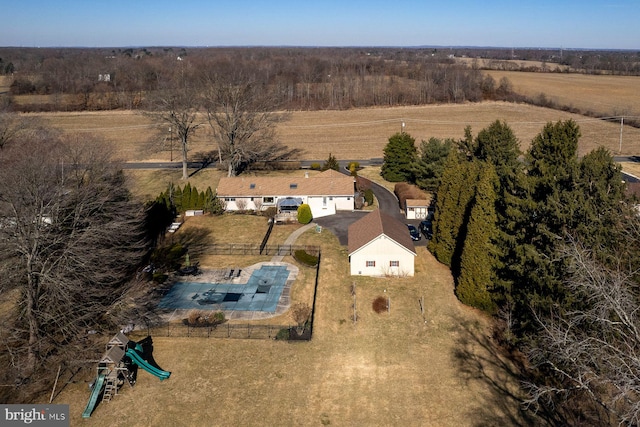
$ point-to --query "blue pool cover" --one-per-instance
(260, 293)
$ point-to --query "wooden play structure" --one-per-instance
(120, 363)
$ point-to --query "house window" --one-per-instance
(394, 263)
(371, 263)
(229, 199)
(330, 198)
(267, 200)
(324, 203)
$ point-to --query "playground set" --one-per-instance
(120, 363)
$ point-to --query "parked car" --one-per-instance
(413, 232)
(426, 228)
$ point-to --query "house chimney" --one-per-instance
(306, 174)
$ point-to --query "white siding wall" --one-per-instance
(320, 205)
(416, 212)
(382, 250)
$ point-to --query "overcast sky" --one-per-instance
(603, 24)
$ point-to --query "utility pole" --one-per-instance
(621, 127)
(171, 143)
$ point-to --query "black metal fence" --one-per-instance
(225, 330)
(255, 249)
(237, 330)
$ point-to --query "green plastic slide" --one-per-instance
(138, 360)
(95, 393)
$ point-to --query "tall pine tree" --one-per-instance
(478, 258)
(399, 155)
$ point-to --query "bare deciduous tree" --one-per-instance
(70, 237)
(12, 126)
(178, 107)
(590, 354)
(243, 123)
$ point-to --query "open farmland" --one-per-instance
(602, 95)
(350, 134)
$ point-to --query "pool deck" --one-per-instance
(221, 275)
(218, 275)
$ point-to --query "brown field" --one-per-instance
(351, 134)
(488, 63)
(394, 368)
(603, 95)
(5, 83)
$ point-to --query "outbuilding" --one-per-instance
(380, 245)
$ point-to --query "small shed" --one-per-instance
(417, 208)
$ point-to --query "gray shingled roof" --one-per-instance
(373, 225)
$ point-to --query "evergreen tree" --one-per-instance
(429, 165)
(193, 199)
(545, 214)
(600, 192)
(331, 163)
(185, 203)
(455, 195)
(399, 155)
(478, 258)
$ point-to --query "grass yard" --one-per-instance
(394, 368)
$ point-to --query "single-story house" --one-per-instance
(325, 193)
(380, 245)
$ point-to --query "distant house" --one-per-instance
(380, 245)
(325, 193)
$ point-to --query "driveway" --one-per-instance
(387, 203)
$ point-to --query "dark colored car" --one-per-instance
(426, 228)
(413, 232)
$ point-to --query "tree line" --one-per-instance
(547, 243)
(296, 78)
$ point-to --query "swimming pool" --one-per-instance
(261, 293)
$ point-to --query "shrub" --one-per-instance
(380, 305)
(307, 259)
(168, 257)
(283, 334)
(304, 214)
(368, 196)
(404, 191)
(204, 318)
(315, 166)
(159, 277)
(270, 212)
